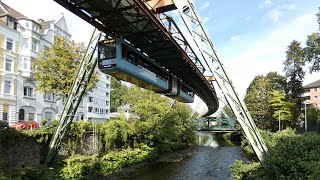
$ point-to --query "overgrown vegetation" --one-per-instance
(290, 156)
(156, 129)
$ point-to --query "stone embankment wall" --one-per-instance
(18, 152)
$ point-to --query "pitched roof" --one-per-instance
(45, 25)
(12, 12)
(312, 85)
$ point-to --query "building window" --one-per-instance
(8, 65)
(28, 91)
(36, 28)
(7, 87)
(26, 43)
(5, 112)
(31, 116)
(35, 45)
(11, 23)
(89, 109)
(9, 44)
(25, 63)
(90, 99)
(27, 25)
(107, 94)
(49, 96)
(48, 116)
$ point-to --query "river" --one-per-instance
(211, 161)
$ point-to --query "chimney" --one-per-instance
(39, 20)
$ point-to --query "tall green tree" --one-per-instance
(280, 105)
(56, 68)
(294, 73)
(312, 49)
(117, 94)
(258, 95)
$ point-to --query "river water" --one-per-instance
(211, 161)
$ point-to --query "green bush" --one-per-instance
(115, 161)
(80, 167)
(290, 156)
(294, 157)
(244, 171)
(40, 172)
(88, 167)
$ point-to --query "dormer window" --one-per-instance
(10, 23)
(36, 28)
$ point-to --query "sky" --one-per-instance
(250, 36)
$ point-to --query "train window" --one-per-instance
(129, 55)
(106, 50)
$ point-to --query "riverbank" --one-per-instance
(210, 158)
(172, 157)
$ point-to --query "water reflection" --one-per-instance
(211, 161)
(206, 139)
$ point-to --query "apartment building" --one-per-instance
(10, 39)
(312, 93)
(22, 39)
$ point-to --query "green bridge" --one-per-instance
(216, 124)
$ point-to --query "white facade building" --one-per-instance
(22, 101)
(98, 105)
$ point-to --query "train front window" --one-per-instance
(107, 51)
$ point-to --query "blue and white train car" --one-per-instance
(123, 61)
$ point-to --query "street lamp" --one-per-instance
(305, 115)
(279, 120)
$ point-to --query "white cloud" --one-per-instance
(205, 5)
(274, 15)
(205, 19)
(235, 38)
(265, 4)
(287, 6)
(266, 53)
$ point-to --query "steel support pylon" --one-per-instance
(205, 46)
(78, 89)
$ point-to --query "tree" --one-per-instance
(294, 73)
(313, 49)
(278, 103)
(117, 94)
(313, 118)
(227, 112)
(258, 95)
(57, 67)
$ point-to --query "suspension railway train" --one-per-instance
(123, 61)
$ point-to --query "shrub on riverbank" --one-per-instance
(290, 156)
(88, 167)
(245, 171)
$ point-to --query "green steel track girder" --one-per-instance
(206, 48)
(77, 91)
